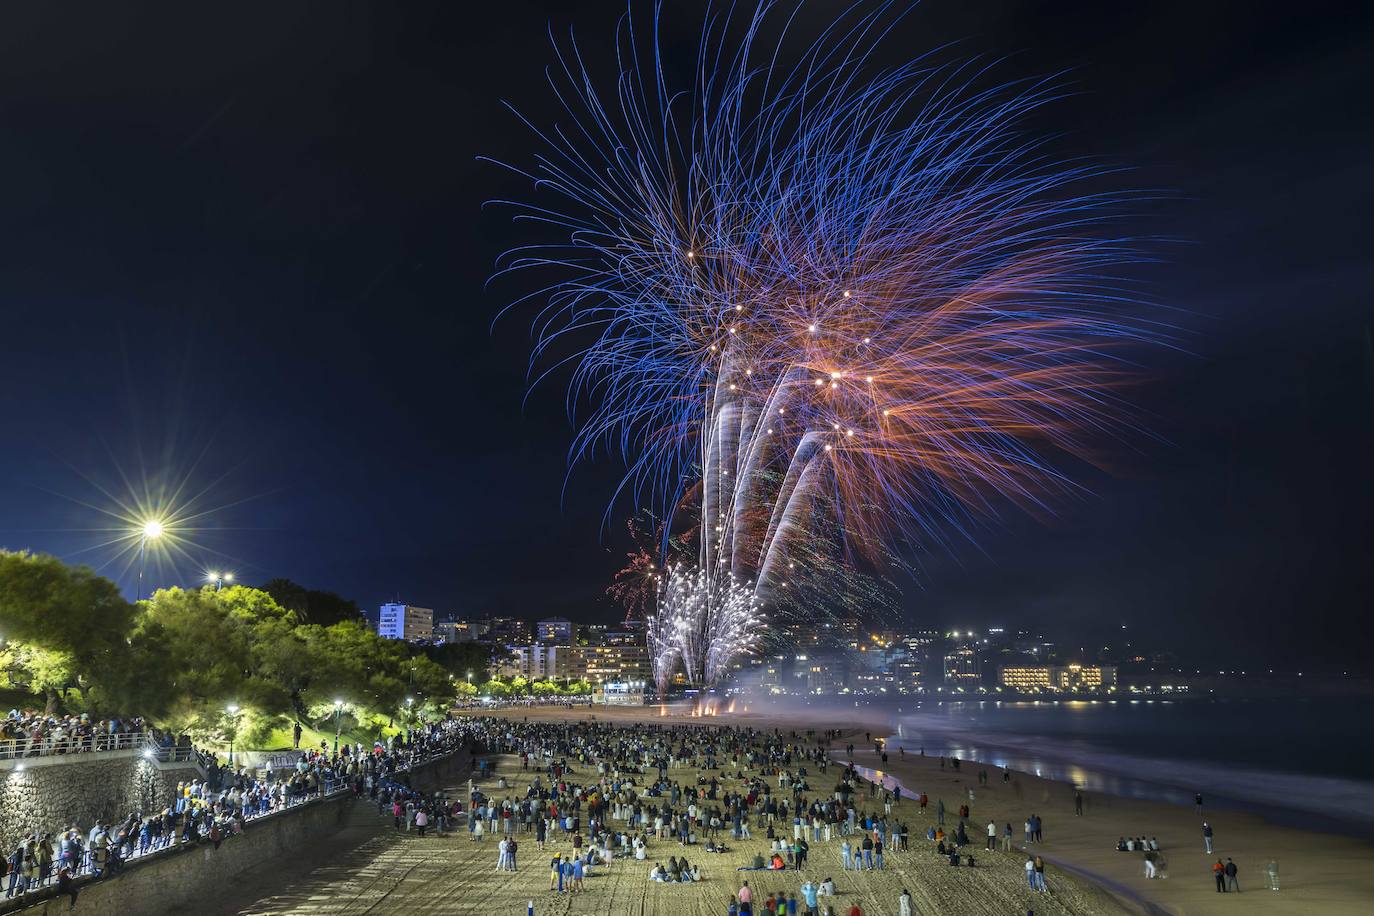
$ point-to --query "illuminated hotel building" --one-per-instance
(1028, 679)
(1034, 678)
(962, 666)
(612, 663)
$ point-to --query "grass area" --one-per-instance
(280, 739)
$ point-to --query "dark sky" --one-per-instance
(243, 245)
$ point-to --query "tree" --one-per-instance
(459, 658)
(75, 621)
(311, 605)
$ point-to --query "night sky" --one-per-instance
(243, 246)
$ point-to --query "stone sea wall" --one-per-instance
(47, 795)
(181, 876)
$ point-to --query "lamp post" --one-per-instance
(152, 530)
(219, 579)
(233, 711)
(338, 719)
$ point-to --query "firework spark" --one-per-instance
(826, 287)
(701, 626)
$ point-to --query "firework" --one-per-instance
(821, 288)
(702, 626)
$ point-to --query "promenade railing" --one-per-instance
(75, 745)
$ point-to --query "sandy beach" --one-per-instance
(1321, 873)
(393, 871)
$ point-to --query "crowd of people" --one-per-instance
(217, 808)
(36, 734)
(614, 792)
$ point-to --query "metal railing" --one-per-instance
(76, 745)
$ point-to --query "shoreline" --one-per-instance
(1320, 871)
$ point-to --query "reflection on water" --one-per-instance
(1143, 749)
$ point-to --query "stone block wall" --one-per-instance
(186, 876)
(49, 794)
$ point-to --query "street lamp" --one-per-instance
(152, 530)
(338, 714)
(233, 711)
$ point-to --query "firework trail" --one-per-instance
(822, 285)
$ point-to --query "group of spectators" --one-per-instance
(36, 734)
(216, 808)
(614, 791)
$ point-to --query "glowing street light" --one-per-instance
(152, 530)
(233, 711)
(219, 579)
(338, 714)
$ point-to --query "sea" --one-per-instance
(1296, 761)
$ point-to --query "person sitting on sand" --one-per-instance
(954, 855)
(778, 864)
(658, 873)
(827, 888)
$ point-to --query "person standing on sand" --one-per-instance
(1207, 837)
(1198, 799)
(940, 812)
(992, 833)
(904, 904)
(845, 855)
(746, 900)
(1040, 884)
(1078, 804)
(810, 897)
(1006, 838)
(1030, 872)
(1219, 873)
(1232, 883)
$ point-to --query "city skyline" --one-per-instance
(296, 326)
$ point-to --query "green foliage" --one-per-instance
(185, 655)
(517, 686)
(65, 627)
(311, 605)
(459, 658)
